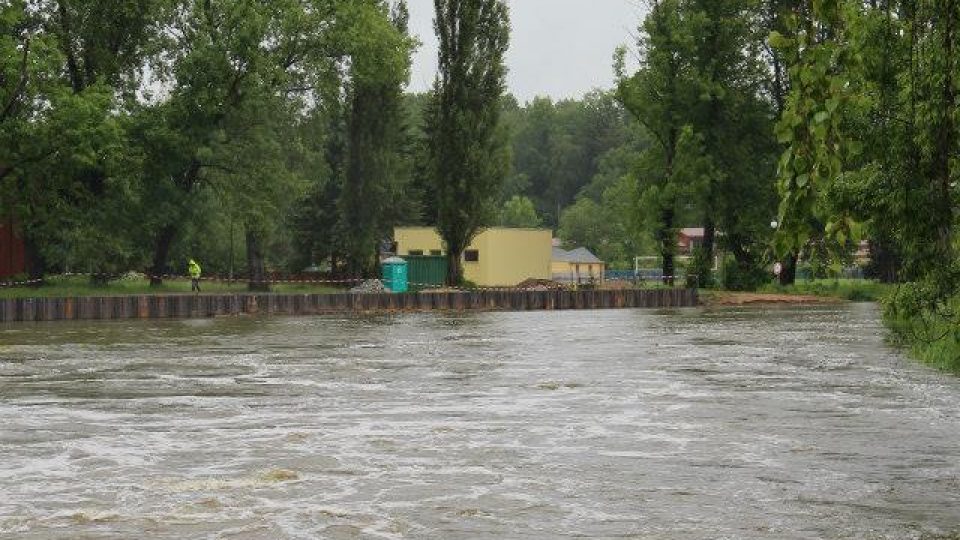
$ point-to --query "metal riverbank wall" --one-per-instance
(211, 305)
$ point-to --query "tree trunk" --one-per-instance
(33, 259)
(709, 249)
(668, 269)
(668, 245)
(361, 265)
(709, 238)
(160, 254)
(255, 266)
(374, 270)
(788, 274)
(455, 267)
(884, 261)
(946, 143)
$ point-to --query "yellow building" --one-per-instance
(576, 266)
(497, 257)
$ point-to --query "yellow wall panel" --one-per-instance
(506, 256)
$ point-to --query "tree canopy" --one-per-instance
(263, 138)
(466, 150)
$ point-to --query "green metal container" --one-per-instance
(394, 272)
(426, 271)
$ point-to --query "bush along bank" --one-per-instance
(924, 319)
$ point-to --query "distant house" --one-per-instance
(12, 260)
(576, 266)
(689, 239)
(497, 257)
(863, 253)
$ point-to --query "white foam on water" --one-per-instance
(498, 425)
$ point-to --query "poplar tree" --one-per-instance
(379, 70)
(467, 151)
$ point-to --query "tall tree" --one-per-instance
(65, 166)
(379, 70)
(776, 16)
(467, 146)
(735, 123)
(221, 59)
(660, 96)
(813, 129)
(904, 126)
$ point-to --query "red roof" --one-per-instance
(692, 232)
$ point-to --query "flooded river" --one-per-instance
(692, 424)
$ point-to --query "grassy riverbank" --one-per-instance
(73, 286)
(933, 338)
(854, 290)
(735, 298)
(803, 292)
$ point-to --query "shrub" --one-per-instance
(700, 270)
(925, 321)
(738, 276)
(16, 278)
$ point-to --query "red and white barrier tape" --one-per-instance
(19, 283)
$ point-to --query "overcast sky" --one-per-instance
(558, 48)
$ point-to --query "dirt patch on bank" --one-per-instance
(743, 299)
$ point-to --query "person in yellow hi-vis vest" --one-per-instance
(194, 270)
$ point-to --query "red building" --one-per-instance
(12, 260)
(689, 239)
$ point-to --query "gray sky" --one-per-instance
(558, 48)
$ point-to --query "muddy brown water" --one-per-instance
(781, 423)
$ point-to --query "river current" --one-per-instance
(734, 423)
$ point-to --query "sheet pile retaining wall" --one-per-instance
(211, 305)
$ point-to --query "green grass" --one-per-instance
(81, 286)
(932, 339)
(855, 290)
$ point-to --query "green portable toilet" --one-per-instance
(395, 274)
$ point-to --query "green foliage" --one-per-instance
(698, 93)
(63, 155)
(611, 227)
(740, 276)
(700, 265)
(137, 134)
(658, 96)
(586, 224)
(906, 130)
(812, 127)
(925, 316)
(558, 147)
(467, 152)
(872, 135)
(519, 212)
(375, 177)
(854, 290)
(229, 124)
